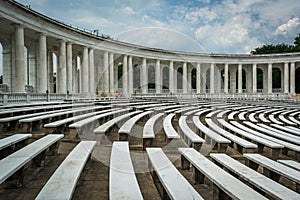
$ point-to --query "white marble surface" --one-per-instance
(173, 181)
(226, 182)
(168, 127)
(62, 183)
(260, 181)
(5, 142)
(122, 180)
(188, 131)
(15, 161)
(148, 131)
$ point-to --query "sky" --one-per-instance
(204, 26)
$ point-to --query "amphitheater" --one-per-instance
(85, 116)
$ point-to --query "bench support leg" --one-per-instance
(196, 146)
(198, 177)
(222, 147)
(275, 153)
(274, 176)
(123, 137)
(251, 164)
(219, 194)
(147, 142)
(260, 148)
(185, 164)
(298, 187)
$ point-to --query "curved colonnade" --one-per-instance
(41, 54)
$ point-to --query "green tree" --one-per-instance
(279, 48)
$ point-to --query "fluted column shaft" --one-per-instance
(254, 78)
(240, 78)
(42, 68)
(226, 78)
(111, 74)
(61, 71)
(157, 77)
(292, 79)
(130, 75)
(20, 59)
(125, 75)
(269, 78)
(105, 73)
(69, 68)
(198, 78)
(212, 78)
(92, 89)
(144, 77)
(184, 78)
(171, 77)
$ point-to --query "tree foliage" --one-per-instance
(279, 48)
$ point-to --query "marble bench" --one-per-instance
(290, 163)
(169, 130)
(123, 183)
(36, 150)
(271, 188)
(62, 183)
(273, 169)
(224, 184)
(149, 130)
(274, 147)
(189, 136)
(218, 142)
(170, 182)
(127, 127)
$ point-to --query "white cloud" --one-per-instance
(128, 10)
(291, 26)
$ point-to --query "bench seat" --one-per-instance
(149, 130)
(103, 128)
(13, 139)
(189, 136)
(273, 169)
(127, 127)
(239, 143)
(211, 136)
(12, 163)
(291, 163)
(270, 187)
(224, 184)
(169, 130)
(122, 180)
(62, 183)
(261, 142)
(174, 184)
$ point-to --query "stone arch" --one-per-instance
(297, 80)
(179, 78)
(207, 78)
(120, 75)
(136, 77)
(151, 77)
(260, 79)
(194, 78)
(223, 79)
(165, 78)
(276, 79)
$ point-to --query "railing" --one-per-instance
(151, 91)
(165, 91)
(3, 88)
(277, 90)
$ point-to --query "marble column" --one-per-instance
(144, 77)
(61, 71)
(292, 79)
(270, 65)
(184, 78)
(42, 68)
(157, 77)
(198, 78)
(124, 77)
(105, 73)
(286, 78)
(212, 78)
(240, 79)
(254, 78)
(171, 77)
(20, 59)
(111, 74)
(226, 78)
(85, 71)
(69, 67)
(92, 88)
(50, 73)
(130, 76)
